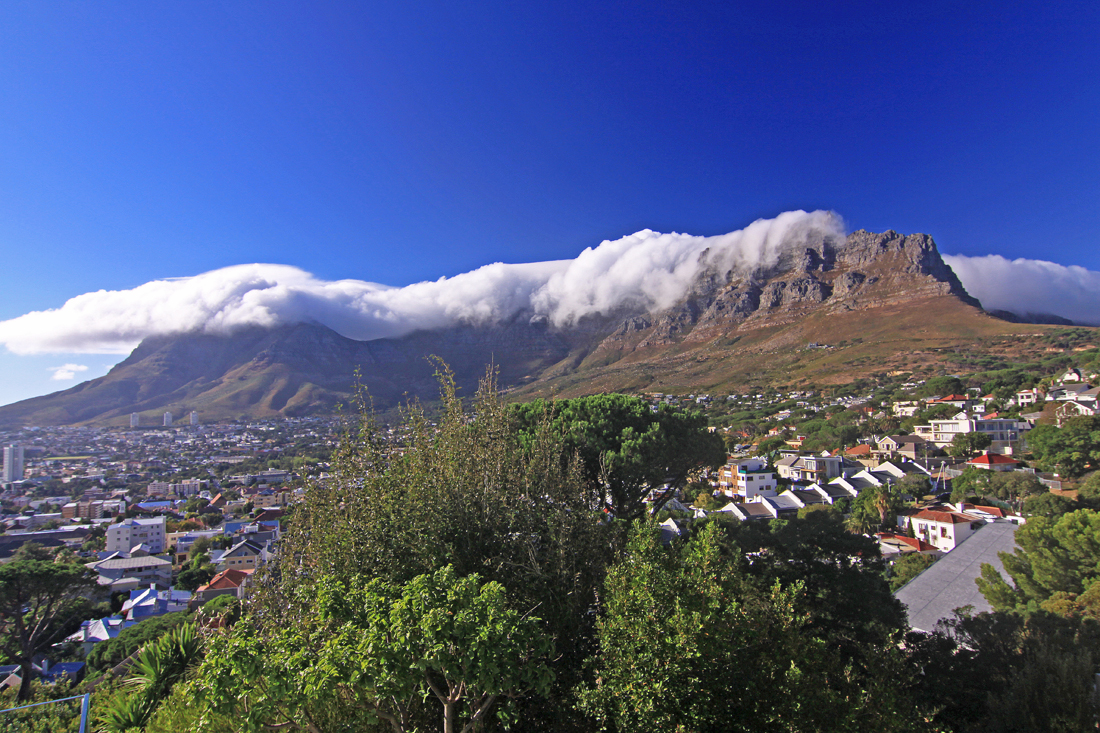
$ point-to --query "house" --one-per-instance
(746, 511)
(1069, 409)
(895, 545)
(949, 582)
(906, 446)
(133, 571)
(941, 525)
(1004, 432)
(1027, 397)
(809, 496)
(993, 462)
(93, 631)
(749, 478)
(232, 582)
(809, 467)
(149, 601)
(245, 555)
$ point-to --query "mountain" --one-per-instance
(829, 312)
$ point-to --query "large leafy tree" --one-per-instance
(42, 598)
(1056, 567)
(377, 651)
(461, 491)
(1072, 450)
(966, 445)
(627, 449)
(689, 643)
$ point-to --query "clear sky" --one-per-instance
(403, 142)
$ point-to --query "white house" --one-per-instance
(941, 526)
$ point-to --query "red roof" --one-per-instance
(993, 459)
(953, 398)
(917, 544)
(995, 511)
(232, 578)
(858, 450)
(943, 517)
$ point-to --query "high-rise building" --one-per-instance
(167, 419)
(13, 463)
(135, 419)
(194, 418)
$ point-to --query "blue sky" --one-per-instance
(396, 143)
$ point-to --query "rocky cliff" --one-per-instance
(867, 282)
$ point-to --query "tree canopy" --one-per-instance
(626, 448)
(41, 601)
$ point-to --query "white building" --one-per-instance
(1004, 432)
(13, 463)
(135, 420)
(167, 419)
(194, 418)
(748, 478)
(130, 533)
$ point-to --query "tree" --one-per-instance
(966, 445)
(971, 482)
(626, 449)
(386, 648)
(907, 567)
(1071, 450)
(680, 622)
(462, 490)
(1057, 561)
(41, 597)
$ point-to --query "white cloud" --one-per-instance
(67, 371)
(1030, 286)
(646, 269)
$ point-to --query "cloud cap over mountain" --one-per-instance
(646, 270)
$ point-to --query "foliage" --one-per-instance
(626, 449)
(156, 669)
(1055, 567)
(907, 567)
(844, 596)
(967, 445)
(464, 492)
(1048, 505)
(875, 508)
(381, 649)
(1071, 450)
(680, 623)
(62, 717)
(41, 602)
(107, 654)
(1007, 672)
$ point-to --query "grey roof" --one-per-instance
(949, 582)
(128, 563)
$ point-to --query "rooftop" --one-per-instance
(949, 582)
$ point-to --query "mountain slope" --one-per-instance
(889, 299)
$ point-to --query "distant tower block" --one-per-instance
(135, 420)
(13, 463)
(194, 418)
(167, 419)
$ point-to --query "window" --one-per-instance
(943, 531)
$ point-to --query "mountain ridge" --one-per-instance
(885, 285)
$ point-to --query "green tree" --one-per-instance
(41, 601)
(465, 491)
(386, 648)
(967, 445)
(1071, 450)
(626, 449)
(1056, 563)
(907, 567)
(680, 622)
